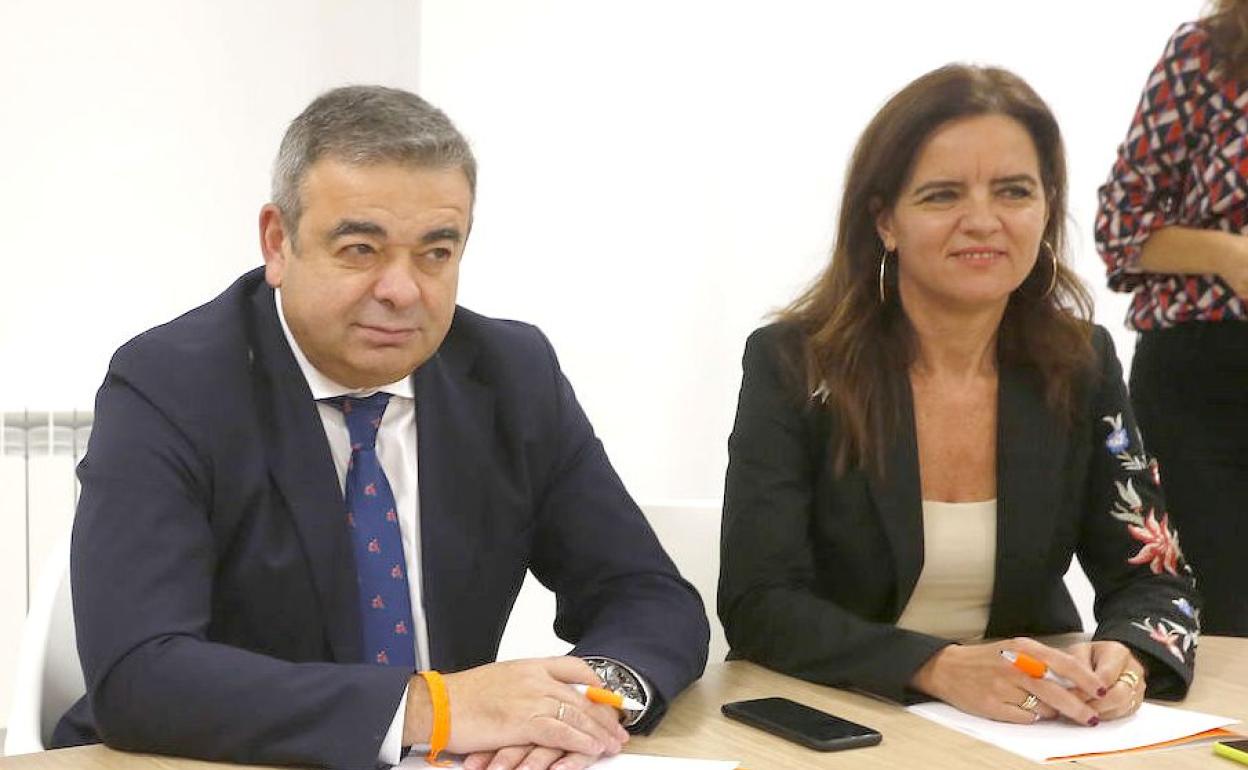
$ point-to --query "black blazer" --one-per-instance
(816, 568)
(213, 582)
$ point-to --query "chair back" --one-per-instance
(687, 529)
(49, 675)
(689, 532)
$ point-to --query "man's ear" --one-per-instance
(274, 244)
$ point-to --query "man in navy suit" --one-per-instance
(331, 477)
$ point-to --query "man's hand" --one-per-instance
(517, 704)
(977, 680)
(528, 758)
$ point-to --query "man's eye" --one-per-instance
(357, 251)
(439, 255)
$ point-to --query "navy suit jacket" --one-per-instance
(213, 581)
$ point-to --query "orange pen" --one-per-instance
(612, 699)
(1035, 669)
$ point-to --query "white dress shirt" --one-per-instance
(396, 451)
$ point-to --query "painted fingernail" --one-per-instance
(1100, 692)
(1094, 721)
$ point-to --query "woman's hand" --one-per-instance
(977, 680)
(1118, 671)
(1233, 269)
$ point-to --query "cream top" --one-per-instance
(954, 591)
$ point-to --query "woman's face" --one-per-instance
(968, 223)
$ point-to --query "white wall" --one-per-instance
(137, 138)
(656, 176)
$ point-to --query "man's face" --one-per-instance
(369, 291)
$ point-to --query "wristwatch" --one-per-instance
(621, 679)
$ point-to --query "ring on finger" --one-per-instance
(1129, 678)
(1029, 703)
(559, 713)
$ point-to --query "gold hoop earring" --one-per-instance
(883, 262)
(1053, 280)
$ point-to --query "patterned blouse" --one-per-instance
(1184, 162)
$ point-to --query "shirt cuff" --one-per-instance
(392, 745)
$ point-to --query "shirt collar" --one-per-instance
(323, 387)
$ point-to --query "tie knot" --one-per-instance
(363, 417)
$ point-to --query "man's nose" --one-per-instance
(398, 284)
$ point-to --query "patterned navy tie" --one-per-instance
(385, 604)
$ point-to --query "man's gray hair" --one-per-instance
(365, 125)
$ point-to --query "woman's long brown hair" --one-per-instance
(1227, 25)
(857, 350)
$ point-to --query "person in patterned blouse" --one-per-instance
(927, 436)
(1171, 229)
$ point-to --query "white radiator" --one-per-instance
(38, 489)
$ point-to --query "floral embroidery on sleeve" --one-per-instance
(1160, 549)
(1135, 505)
(1184, 606)
(1159, 544)
(1170, 634)
(1117, 442)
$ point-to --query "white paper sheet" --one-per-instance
(1041, 741)
(618, 762)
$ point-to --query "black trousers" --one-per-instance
(1189, 387)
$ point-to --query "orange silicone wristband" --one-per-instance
(441, 718)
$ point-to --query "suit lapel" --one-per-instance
(454, 436)
(1031, 443)
(303, 469)
(898, 498)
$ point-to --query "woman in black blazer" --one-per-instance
(940, 379)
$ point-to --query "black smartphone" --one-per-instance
(801, 724)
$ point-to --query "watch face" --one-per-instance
(618, 679)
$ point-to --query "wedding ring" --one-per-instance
(1129, 678)
(1029, 703)
(559, 713)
